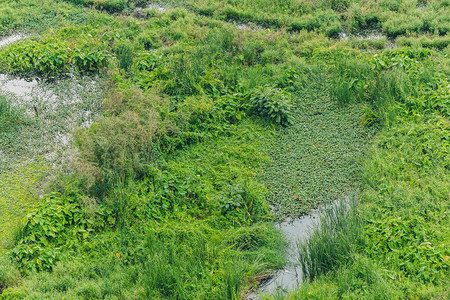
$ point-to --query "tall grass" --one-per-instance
(125, 55)
(334, 240)
(349, 77)
(8, 274)
(357, 80)
(10, 117)
(388, 88)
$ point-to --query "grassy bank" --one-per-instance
(397, 245)
(163, 183)
(198, 125)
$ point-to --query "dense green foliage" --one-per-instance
(47, 58)
(405, 200)
(273, 104)
(204, 114)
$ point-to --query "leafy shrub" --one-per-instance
(89, 60)
(51, 58)
(433, 97)
(56, 226)
(54, 221)
(33, 57)
(166, 194)
(146, 61)
(242, 204)
(272, 103)
(233, 105)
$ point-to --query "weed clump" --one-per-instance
(117, 148)
(168, 204)
(334, 241)
(273, 104)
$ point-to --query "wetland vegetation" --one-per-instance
(147, 148)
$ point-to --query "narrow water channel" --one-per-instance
(291, 276)
(314, 161)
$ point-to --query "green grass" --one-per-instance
(16, 192)
(18, 195)
(394, 18)
(404, 204)
(177, 250)
(10, 118)
(334, 241)
(168, 192)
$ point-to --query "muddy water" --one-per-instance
(366, 35)
(12, 39)
(291, 276)
(249, 26)
(296, 231)
(159, 8)
(140, 11)
(16, 86)
(54, 109)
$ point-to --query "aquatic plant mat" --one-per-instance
(318, 159)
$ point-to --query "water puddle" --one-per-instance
(17, 86)
(248, 26)
(296, 231)
(364, 35)
(54, 110)
(141, 12)
(12, 39)
(368, 35)
(157, 7)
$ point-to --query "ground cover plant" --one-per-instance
(404, 201)
(193, 125)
